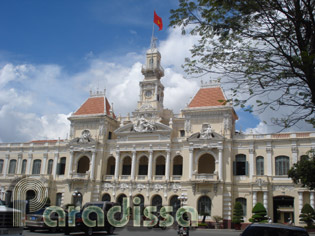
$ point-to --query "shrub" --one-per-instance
(259, 213)
(237, 213)
(307, 214)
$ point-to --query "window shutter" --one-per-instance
(246, 168)
(234, 167)
(58, 169)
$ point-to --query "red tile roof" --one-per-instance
(95, 105)
(45, 141)
(208, 97)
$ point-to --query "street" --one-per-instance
(143, 231)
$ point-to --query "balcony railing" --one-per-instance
(159, 177)
(125, 177)
(176, 177)
(206, 177)
(142, 177)
(80, 176)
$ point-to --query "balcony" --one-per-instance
(206, 177)
(108, 177)
(80, 176)
(159, 177)
(176, 177)
(142, 178)
(125, 177)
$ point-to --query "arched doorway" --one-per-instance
(120, 199)
(141, 203)
(175, 203)
(204, 207)
(206, 164)
(283, 209)
(157, 201)
(83, 165)
(106, 197)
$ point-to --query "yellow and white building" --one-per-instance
(158, 156)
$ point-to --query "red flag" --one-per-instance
(158, 20)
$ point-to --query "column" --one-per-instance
(265, 200)
(42, 171)
(29, 162)
(191, 162)
(251, 162)
(150, 165)
(168, 160)
(19, 164)
(300, 201)
(70, 168)
(220, 164)
(56, 155)
(117, 165)
(5, 166)
(93, 165)
(294, 150)
(312, 202)
(269, 160)
(133, 165)
(254, 198)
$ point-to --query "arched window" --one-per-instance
(206, 164)
(126, 168)
(143, 166)
(61, 166)
(83, 165)
(259, 165)
(58, 199)
(23, 170)
(50, 166)
(12, 167)
(110, 166)
(36, 167)
(157, 201)
(204, 206)
(240, 165)
(178, 165)
(106, 197)
(160, 166)
(282, 165)
(1, 166)
(243, 203)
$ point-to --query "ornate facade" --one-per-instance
(158, 155)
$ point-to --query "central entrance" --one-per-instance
(283, 209)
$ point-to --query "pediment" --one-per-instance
(134, 129)
(85, 139)
(199, 137)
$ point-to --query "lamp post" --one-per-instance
(77, 198)
(183, 198)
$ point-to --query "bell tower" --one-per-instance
(150, 104)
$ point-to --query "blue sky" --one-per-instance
(53, 52)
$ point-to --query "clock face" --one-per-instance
(148, 93)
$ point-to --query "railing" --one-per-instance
(159, 177)
(125, 177)
(176, 177)
(107, 177)
(141, 177)
(206, 177)
(80, 176)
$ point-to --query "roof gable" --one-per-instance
(208, 97)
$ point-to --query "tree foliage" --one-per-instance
(259, 213)
(266, 48)
(303, 172)
(237, 213)
(307, 214)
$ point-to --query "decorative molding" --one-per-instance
(206, 132)
(283, 188)
(157, 187)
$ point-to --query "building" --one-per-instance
(158, 156)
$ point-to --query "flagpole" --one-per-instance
(152, 38)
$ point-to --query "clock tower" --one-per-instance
(151, 97)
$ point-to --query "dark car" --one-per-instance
(81, 227)
(34, 221)
(260, 229)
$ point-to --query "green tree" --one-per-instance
(262, 48)
(259, 213)
(237, 213)
(307, 214)
(303, 172)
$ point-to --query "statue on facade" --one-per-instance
(206, 132)
(143, 125)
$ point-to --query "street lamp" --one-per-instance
(183, 198)
(77, 198)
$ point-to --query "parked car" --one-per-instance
(34, 221)
(6, 221)
(272, 229)
(81, 227)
